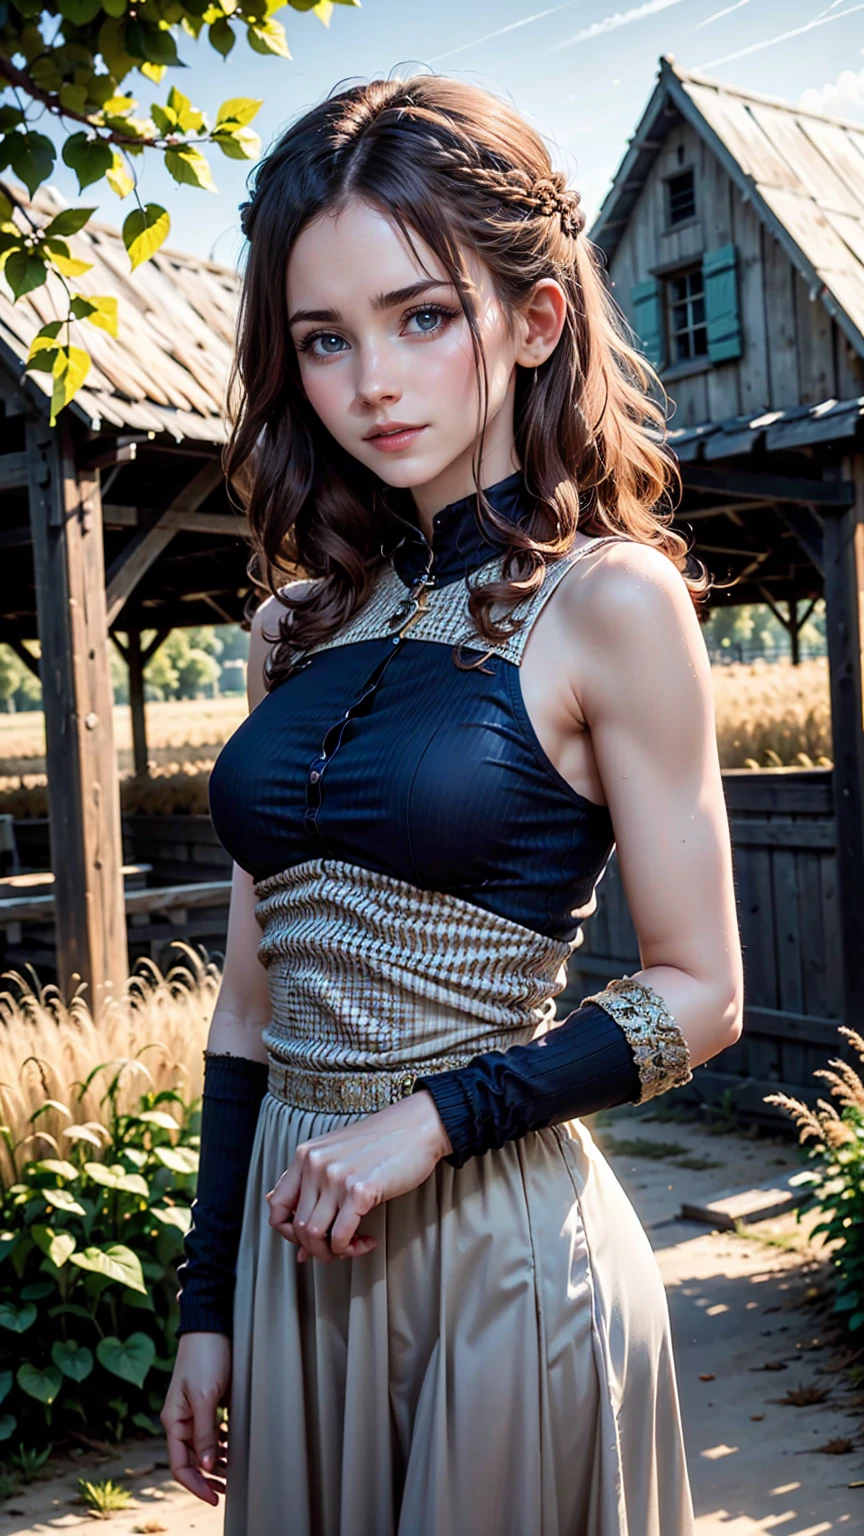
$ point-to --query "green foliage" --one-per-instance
(104, 1498)
(71, 59)
(837, 1181)
(88, 1252)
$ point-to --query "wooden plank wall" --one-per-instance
(786, 883)
(808, 360)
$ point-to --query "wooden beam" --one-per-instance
(136, 702)
(844, 619)
(13, 471)
(749, 485)
(223, 524)
(149, 542)
(807, 529)
(207, 893)
(150, 650)
(83, 787)
(31, 662)
(127, 570)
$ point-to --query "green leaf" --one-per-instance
(31, 156)
(83, 1133)
(17, 1319)
(62, 1199)
(79, 11)
(144, 230)
(179, 1216)
(54, 1104)
(66, 223)
(100, 309)
(130, 1359)
(7, 1243)
(856, 1320)
(221, 35)
(8, 1425)
(188, 166)
(5, 1385)
(38, 1290)
(238, 110)
(847, 1302)
(42, 1384)
(120, 178)
(239, 144)
(114, 7)
(116, 1177)
(24, 271)
(90, 159)
(71, 367)
(188, 117)
(268, 37)
(56, 1165)
(114, 1262)
(154, 45)
(10, 117)
(178, 1159)
(71, 1309)
(158, 1117)
(57, 1246)
(74, 1360)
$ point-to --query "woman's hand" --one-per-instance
(196, 1442)
(336, 1180)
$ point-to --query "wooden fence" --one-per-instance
(786, 884)
(785, 874)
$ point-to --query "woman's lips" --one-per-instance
(390, 442)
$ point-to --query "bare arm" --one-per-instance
(641, 682)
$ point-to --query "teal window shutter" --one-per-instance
(722, 309)
(646, 301)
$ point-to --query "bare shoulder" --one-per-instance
(626, 593)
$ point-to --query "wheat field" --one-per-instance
(769, 714)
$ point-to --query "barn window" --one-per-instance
(688, 331)
(681, 197)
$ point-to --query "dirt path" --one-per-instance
(749, 1322)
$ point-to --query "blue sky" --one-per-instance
(580, 71)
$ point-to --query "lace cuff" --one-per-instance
(659, 1049)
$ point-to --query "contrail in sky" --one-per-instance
(597, 28)
(782, 37)
(614, 22)
(728, 12)
(500, 31)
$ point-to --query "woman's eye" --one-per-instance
(308, 343)
(431, 318)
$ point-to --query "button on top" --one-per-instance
(314, 776)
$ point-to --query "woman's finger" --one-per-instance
(312, 1230)
(282, 1198)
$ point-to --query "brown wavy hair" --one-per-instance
(463, 170)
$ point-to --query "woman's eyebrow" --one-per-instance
(380, 301)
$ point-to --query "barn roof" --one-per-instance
(167, 370)
(802, 171)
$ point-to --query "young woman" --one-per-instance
(447, 1317)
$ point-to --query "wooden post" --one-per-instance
(844, 613)
(135, 663)
(83, 789)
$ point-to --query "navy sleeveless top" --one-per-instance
(379, 750)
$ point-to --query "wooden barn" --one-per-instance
(113, 523)
(734, 239)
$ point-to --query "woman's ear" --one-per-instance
(541, 322)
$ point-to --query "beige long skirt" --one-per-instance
(500, 1365)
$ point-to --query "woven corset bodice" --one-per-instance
(368, 972)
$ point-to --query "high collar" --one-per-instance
(458, 546)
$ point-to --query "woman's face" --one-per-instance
(381, 344)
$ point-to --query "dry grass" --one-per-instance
(773, 714)
(178, 729)
(49, 1047)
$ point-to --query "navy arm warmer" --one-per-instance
(580, 1065)
(234, 1087)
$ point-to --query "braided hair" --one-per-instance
(461, 169)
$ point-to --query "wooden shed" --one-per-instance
(116, 520)
(734, 238)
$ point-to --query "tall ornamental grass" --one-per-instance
(836, 1147)
(98, 1162)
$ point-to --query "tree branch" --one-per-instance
(20, 80)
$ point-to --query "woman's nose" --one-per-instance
(377, 381)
